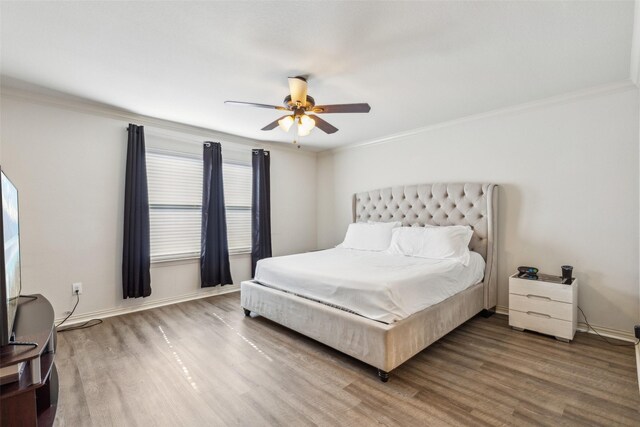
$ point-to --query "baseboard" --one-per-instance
(102, 314)
(582, 327)
(502, 310)
(638, 364)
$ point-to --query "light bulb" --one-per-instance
(285, 123)
(302, 131)
(307, 122)
(305, 125)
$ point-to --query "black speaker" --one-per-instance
(636, 329)
(567, 270)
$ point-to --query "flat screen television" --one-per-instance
(9, 258)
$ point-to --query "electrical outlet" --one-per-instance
(76, 288)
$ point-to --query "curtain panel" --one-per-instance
(260, 208)
(214, 253)
(136, 253)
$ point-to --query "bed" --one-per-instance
(366, 331)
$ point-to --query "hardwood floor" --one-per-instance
(203, 363)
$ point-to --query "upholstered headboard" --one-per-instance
(475, 205)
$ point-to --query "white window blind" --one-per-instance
(175, 199)
(237, 200)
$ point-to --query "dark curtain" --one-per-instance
(261, 209)
(136, 254)
(214, 254)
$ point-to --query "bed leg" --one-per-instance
(247, 312)
(383, 375)
(487, 313)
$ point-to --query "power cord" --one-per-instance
(21, 343)
(33, 297)
(72, 310)
(24, 296)
(84, 325)
(87, 324)
(604, 338)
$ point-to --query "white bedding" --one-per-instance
(376, 285)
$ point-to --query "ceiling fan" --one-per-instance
(299, 104)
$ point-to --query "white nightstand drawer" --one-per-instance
(554, 291)
(541, 323)
(543, 305)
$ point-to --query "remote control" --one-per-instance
(528, 270)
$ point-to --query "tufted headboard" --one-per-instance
(475, 205)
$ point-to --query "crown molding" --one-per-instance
(592, 92)
(19, 90)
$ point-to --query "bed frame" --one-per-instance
(387, 346)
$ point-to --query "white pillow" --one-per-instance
(432, 242)
(369, 236)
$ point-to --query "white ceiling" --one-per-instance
(416, 63)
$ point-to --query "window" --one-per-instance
(237, 200)
(175, 201)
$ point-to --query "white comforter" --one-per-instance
(379, 286)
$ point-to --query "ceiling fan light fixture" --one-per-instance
(305, 125)
(298, 103)
(285, 123)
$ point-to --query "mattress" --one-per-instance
(379, 286)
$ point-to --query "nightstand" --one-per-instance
(544, 305)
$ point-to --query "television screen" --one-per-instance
(11, 254)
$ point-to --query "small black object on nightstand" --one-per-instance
(525, 272)
(567, 271)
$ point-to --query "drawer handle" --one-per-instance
(538, 297)
(533, 313)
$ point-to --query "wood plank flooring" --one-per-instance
(202, 363)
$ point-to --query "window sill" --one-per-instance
(191, 259)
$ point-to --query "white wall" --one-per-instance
(68, 164)
(568, 172)
(575, 202)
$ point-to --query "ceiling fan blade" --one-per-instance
(342, 108)
(298, 90)
(273, 124)
(324, 125)
(253, 104)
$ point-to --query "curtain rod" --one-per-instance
(193, 139)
